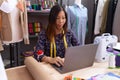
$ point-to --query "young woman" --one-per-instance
(55, 39)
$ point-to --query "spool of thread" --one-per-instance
(112, 61)
(34, 6)
(117, 59)
(28, 5)
(39, 7)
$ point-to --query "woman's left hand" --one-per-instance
(57, 61)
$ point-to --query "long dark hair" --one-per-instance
(50, 32)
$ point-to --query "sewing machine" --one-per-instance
(104, 41)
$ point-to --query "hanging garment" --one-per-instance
(94, 15)
(116, 21)
(77, 21)
(99, 16)
(24, 23)
(14, 25)
(95, 10)
(1, 47)
(104, 19)
(110, 15)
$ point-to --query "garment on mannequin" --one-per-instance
(16, 30)
(78, 2)
(77, 20)
(13, 31)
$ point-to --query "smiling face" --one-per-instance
(60, 20)
(57, 21)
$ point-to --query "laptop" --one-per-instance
(78, 57)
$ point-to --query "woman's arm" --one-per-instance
(41, 56)
(57, 60)
(40, 46)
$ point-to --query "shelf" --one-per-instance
(44, 12)
(34, 36)
(38, 16)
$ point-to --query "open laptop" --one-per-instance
(78, 57)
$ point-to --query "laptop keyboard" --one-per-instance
(59, 67)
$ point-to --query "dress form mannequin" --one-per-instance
(77, 20)
(16, 29)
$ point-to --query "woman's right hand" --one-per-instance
(57, 60)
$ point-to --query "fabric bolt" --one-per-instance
(77, 21)
(44, 44)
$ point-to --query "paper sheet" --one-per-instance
(37, 70)
(2, 70)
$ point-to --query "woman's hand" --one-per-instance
(57, 60)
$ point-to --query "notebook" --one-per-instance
(78, 57)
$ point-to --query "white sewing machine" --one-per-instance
(104, 41)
